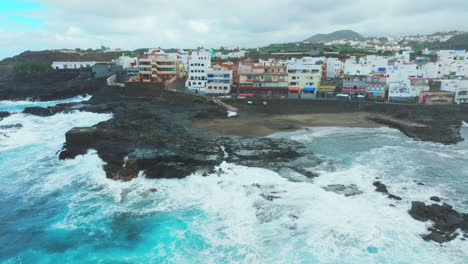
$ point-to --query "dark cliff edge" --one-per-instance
(47, 86)
(155, 135)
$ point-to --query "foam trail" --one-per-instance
(53, 210)
(18, 106)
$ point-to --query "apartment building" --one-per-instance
(376, 85)
(333, 67)
(354, 84)
(219, 81)
(199, 62)
(263, 79)
(157, 66)
(364, 65)
(458, 86)
(407, 89)
(305, 77)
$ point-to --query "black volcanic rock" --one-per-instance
(380, 187)
(51, 110)
(156, 136)
(39, 111)
(46, 86)
(4, 114)
(446, 220)
(383, 189)
(435, 199)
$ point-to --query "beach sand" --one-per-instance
(262, 124)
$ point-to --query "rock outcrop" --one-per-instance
(155, 135)
(4, 114)
(382, 188)
(446, 220)
(47, 86)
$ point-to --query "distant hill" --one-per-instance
(337, 35)
(456, 42)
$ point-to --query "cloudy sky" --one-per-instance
(131, 24)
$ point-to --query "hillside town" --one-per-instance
(397, 78)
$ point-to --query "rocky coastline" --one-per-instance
(157, 136)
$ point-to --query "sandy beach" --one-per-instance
(262, 125)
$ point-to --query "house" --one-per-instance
(199, 62)
(432, 98)
(63, 65)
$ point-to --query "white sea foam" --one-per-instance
(305, 223)
(18, 106)
(465, 124)
(244, 215)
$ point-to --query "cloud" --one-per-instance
(131, 24)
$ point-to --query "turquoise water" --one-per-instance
(67, 211)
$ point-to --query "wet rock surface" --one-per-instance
(156, 136)
(4, 114)
(382, 188)
(51, 110)
(446, 220)
(346, 190)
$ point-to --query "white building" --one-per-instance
(452, 56)
(183, 58)
(127, 61)
(405, 82)
(334, 67)
(230, 55)
(60, 65)
(458, 86)
(365, 65)
(219, 81)
(198, 64)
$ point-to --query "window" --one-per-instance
(199, 83)
(189, 83)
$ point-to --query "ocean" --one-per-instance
(54, 211)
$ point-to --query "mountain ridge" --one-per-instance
(337, 35)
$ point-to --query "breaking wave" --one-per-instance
(54, 210)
